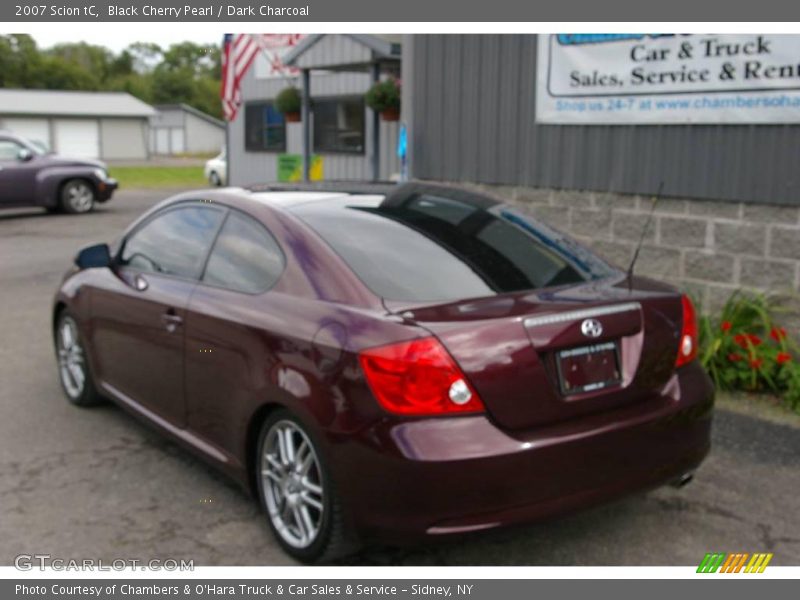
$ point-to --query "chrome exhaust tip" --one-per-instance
(683, 480)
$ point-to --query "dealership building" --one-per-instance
(345, 140)
(579, 130)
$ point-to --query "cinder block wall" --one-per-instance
(707, 248)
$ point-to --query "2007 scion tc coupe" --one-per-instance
(387, 366)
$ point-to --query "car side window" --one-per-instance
(175, 242)
(9, 150)
(245, 257)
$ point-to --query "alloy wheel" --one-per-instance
(292, 484)
(80, 197)
(71, 358)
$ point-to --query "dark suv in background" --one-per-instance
(30, 176)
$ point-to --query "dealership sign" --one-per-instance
(657, 78)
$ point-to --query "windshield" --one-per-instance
(434, 248)
(38, 147)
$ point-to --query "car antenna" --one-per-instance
(656, 198)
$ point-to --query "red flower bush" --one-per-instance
(746, 340)
(744, 349)
(778, 334)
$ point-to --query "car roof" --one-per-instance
(306, 200)
(324, 197)
(287, 199)
(313, 196)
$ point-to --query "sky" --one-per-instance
(122, 39)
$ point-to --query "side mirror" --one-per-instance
(24, 155)
(94, 257)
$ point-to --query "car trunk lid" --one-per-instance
(530, 361)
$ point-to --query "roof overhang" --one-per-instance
(381, 50)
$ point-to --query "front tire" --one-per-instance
(73, 369)
(77, 197)
(214, 179)
(297, 492)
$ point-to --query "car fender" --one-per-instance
(75, 294)
(49, 181)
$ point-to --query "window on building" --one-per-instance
(339, 125)
(265, 128)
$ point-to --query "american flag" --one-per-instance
(239, 50)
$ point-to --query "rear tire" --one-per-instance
(73, 368)
(297, 492)
(77, 197)
(214, 179)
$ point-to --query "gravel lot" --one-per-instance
(97, 483)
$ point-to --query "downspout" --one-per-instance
(306, 118)
(376, 131)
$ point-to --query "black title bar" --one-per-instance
(398, 10)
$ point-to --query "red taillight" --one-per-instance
(687, 349)
(418, 378)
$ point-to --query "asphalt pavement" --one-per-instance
(96, 483)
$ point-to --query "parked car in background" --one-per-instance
(31, 176)
(413, 365)
(216, 170)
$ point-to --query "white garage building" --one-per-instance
(105, 125)
(180, 128)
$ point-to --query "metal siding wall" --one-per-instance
(473, 109)
(390, 163)
(202, 136)
(251, 167)
(258, 167)
(172, 117)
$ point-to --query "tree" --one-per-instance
(95, 60)
(183, 73)
(56, 73)
(146, 56)
(19, 60)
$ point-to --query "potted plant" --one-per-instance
(384, 97)
(289, 102)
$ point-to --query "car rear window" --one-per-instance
(434, 248)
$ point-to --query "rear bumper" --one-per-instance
(105, 189)
(405, 481)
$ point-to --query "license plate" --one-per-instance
(588, 368)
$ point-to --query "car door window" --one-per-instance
(173, 243)
(245, 257)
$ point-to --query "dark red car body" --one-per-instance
(533, 453)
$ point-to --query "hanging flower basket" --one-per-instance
(288, 102)
(384, 97)
(391, 114)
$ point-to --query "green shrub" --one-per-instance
(384, 95)
(746, 349)
(289, 100)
